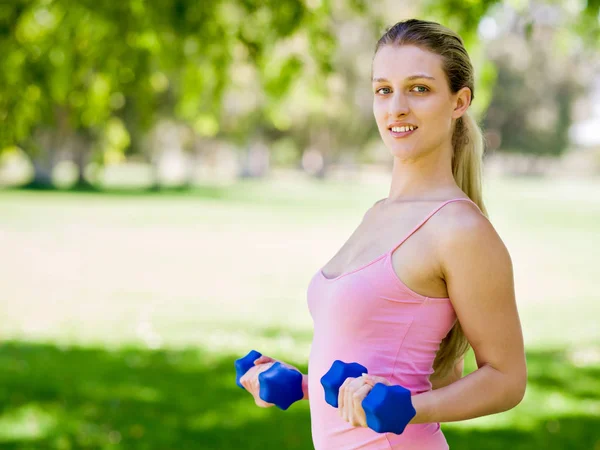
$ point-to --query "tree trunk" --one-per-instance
(82, 143)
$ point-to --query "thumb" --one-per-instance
(263, 360)
(367, 379)
(374, 379)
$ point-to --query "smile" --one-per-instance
(401, 134)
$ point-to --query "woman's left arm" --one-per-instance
(479, 276)
(453, 376)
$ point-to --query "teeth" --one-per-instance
(402, 129)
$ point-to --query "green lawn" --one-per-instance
(123, 313)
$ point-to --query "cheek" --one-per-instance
(435, 109)
(426, 106)
(379, 112)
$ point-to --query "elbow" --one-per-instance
(521, 389)
(515, 398)
(512, 388)
(517, 391)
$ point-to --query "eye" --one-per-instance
(421, 92)
(377, 91)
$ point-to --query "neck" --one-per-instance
(424, 178)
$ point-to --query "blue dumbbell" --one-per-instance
(335, 377)
(388, 409)
(278, 384)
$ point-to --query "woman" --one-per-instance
(407, 309)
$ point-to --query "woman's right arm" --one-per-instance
(250, 379)
(305, 386)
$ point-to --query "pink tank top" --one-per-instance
(368, 315)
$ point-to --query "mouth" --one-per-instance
(401, 134)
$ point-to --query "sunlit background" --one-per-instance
(174, 172)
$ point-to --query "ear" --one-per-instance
(462, 100)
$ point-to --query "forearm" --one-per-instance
(482, 392)
(305, 386)
(438, 383)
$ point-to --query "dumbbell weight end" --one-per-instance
(242, 365)
(388, 409)
(279, 385)
(335, 377)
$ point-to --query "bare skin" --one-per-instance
(415, 261)
(457, 254)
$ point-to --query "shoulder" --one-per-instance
(372, 208)
(466, 237)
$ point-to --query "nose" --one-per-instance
(398, 105)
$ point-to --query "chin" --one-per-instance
(401, 150)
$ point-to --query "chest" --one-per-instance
(413, 254)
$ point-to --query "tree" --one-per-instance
(539, 76)
(73, 69)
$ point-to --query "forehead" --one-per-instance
(398, 62)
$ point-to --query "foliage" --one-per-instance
(75, 75)
(81, 66)
(538, 79)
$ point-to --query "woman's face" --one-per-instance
(410, 87)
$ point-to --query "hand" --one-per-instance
(264, 359)
(352, 392)
(250, 379)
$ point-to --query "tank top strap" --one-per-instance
(420, 224)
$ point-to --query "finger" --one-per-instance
(342, 398)
(356, 383)
(348, 401)
(360, 395)
(251, 385)
(260, 402)
(244, 380)
(250, 379)
(358, 418)
(359, 412)
(366, 378)
(351, 388)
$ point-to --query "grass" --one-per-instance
(81, 397)
(123, 313)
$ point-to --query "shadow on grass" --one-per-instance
(204, 191)
(552, 371)
(255, 192)
(72, 398)
(566, 433)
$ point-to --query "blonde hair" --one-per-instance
(467, 139)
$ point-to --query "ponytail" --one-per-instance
(467, 167)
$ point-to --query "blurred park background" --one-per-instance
(173, 173)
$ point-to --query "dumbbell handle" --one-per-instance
(279, 385)
(334, 378)
(387, 408)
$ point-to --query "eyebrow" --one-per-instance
(412, 77)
